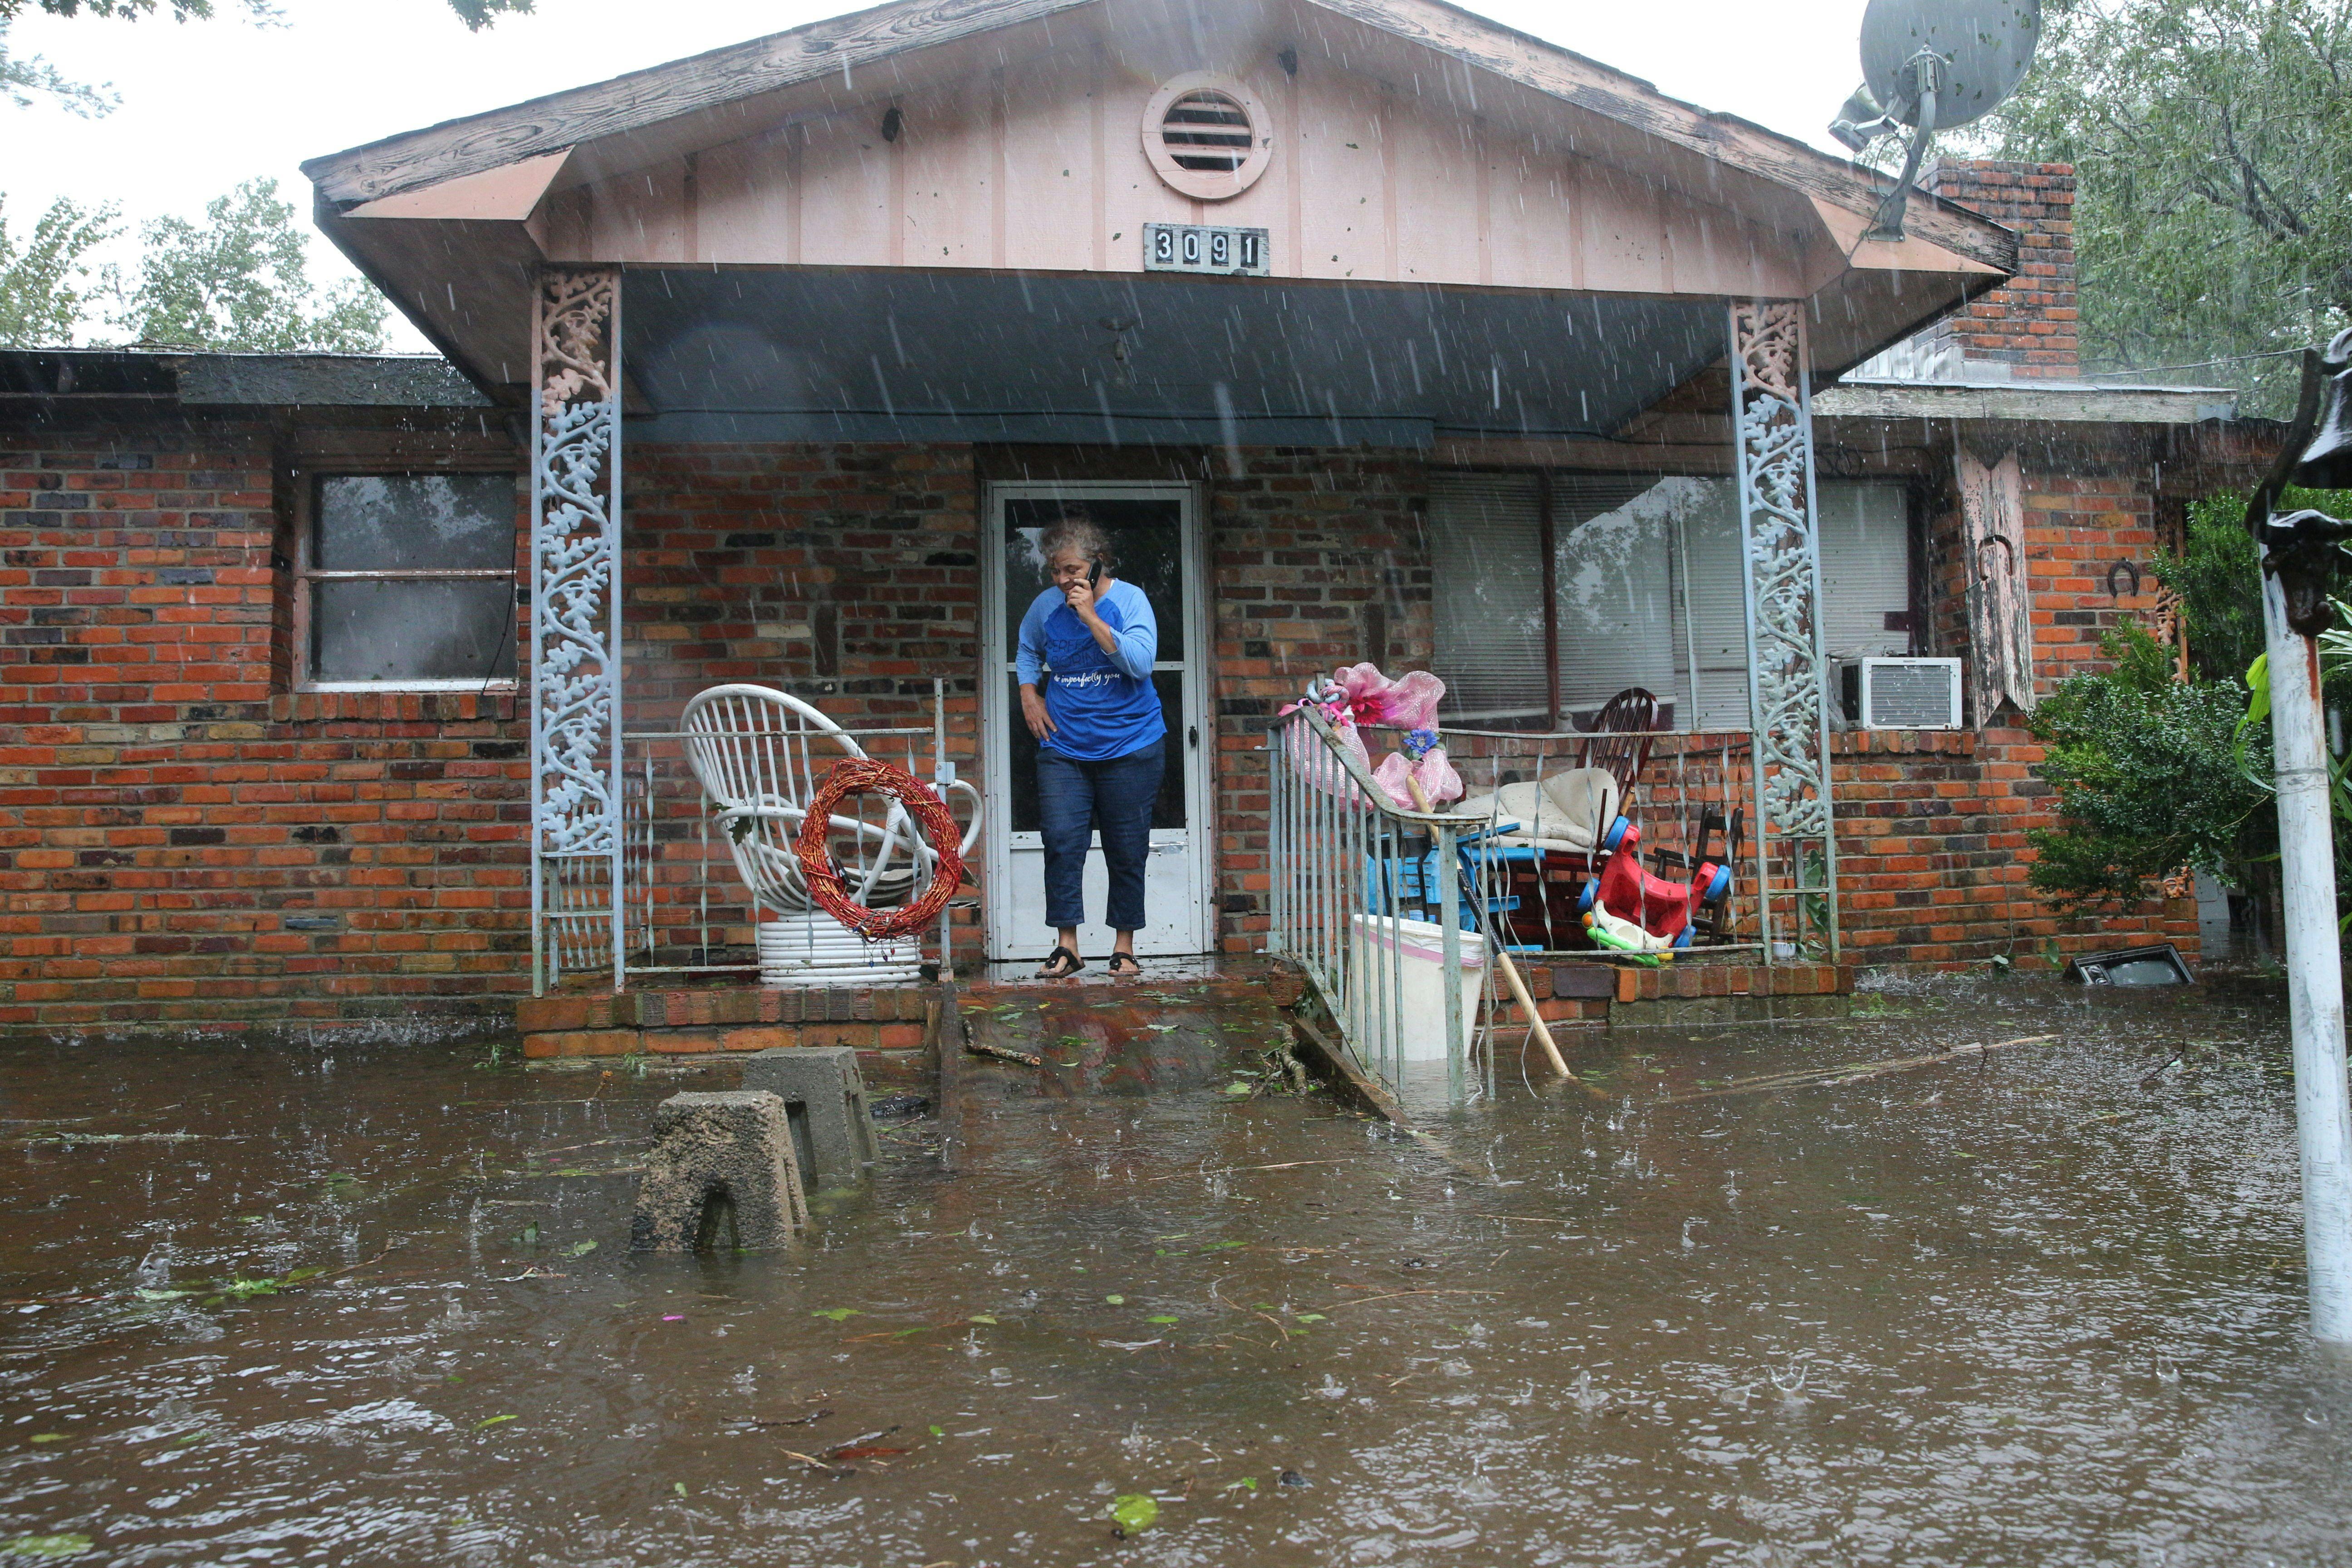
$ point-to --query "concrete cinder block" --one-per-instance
(832, 1132)
(721, 1173)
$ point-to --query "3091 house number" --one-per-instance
(1196, 247)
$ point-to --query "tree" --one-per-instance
(42, 293)
(2153, 774)
(2211, 141)
(476, 14)
(24, 77)
(2150, 777)
(242, 280)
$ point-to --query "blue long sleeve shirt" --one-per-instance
(1103, 705)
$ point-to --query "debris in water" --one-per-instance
(1133, 1514)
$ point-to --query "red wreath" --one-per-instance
(867, 775)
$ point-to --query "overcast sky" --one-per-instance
(206, 104)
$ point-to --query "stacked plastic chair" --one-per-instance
(760, 754)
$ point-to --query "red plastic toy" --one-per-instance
(1659, 907)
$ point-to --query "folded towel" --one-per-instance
(1567, 812)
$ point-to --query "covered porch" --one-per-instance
(810, 350)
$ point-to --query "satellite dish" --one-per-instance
(1984, 47)
(1930, 66)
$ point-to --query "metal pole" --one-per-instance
(1449, 916)
(614, 532)
(1820, 644)
(2313, 963)
(940, 780)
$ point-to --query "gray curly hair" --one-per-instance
(1078, 535)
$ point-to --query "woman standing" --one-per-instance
(1087, 648)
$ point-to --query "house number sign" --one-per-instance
(1196, 247)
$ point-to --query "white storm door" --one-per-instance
(1155, 531)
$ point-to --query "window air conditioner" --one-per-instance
(1900, 693)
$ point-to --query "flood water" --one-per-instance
(2042, 1304)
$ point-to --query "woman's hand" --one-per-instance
(1080, 597)
(1032, 709)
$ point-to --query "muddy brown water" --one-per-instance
(2042, 1306)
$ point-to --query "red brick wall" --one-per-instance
(2030, 323)
(184, 841)
(1316, 555)
(180, 841)
(846, 574)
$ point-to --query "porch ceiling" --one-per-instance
(849, 354)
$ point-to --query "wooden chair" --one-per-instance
(1622, 738)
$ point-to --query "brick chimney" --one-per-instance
(2026, 328)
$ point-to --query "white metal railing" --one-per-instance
(1349, 876)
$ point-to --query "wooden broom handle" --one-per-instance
(1519, 987)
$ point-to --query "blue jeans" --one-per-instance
(1074, 800)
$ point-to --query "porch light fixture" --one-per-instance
(1208, 136)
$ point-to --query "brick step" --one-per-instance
(893, 1021)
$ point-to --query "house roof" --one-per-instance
(188, 378)
(739, 73)
(1492, 160)
(2036, 401)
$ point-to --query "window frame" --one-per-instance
(307, 482)
(1686, 699)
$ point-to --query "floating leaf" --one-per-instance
(242, 1287)
(46, 1546)
(48, 1437)
(981, 1318)
(1116, 1301)
(529, 1235)
(679, 1487)
(1311, 1317)
(1133, 1513)
(938, 1432)
(1163, 1318)
(575, 1170)
(580, 1250)
(1220, 1247)
(838, 1314)
(1248, 1482)
(488, 1422)
(296, 1275)
(147, 1295)
(1237, 1088)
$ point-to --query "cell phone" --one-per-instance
(1094, 577)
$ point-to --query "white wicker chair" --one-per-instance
(759, 755)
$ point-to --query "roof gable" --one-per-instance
(729, 83)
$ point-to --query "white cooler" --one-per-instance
(1416, 950)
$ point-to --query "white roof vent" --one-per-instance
(1207, 136)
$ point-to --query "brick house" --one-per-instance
(873, 300)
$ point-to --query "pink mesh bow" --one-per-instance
(1359, 694)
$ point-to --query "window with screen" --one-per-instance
(407, 581)
(1555, 592)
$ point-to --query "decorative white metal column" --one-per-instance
(1788, 695)
(576, 915)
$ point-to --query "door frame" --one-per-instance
(996, 651)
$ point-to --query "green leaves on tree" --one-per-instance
(240, 280)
